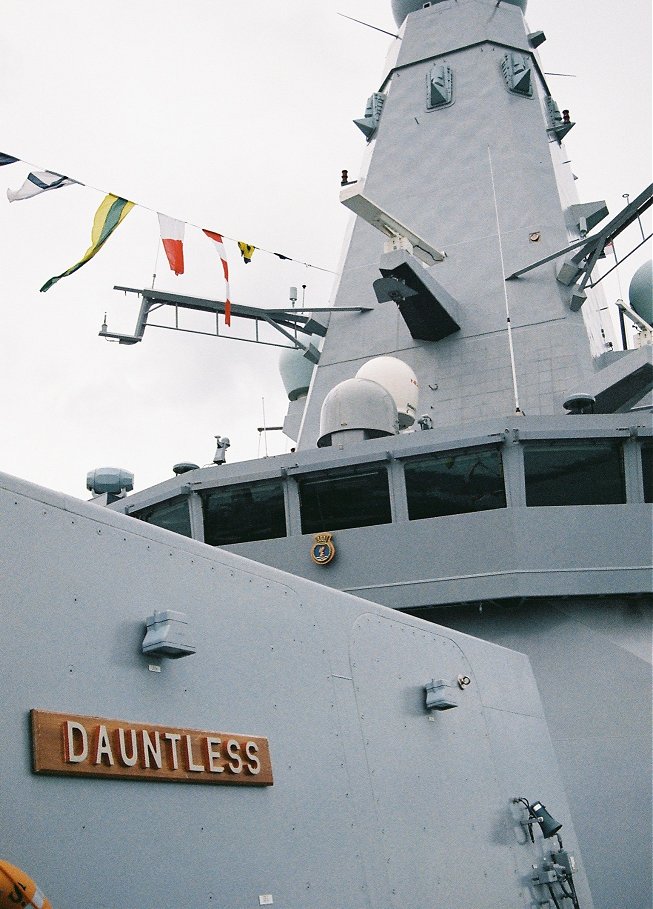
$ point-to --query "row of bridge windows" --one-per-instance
(587, 472)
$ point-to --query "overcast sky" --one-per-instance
(236, 117)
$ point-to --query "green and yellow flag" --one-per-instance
(108, 216)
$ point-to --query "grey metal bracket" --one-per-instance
(536, 38)
(518, 73)
(368, 124)
(560, 122)
(634, 317)
(584, 217)
(289, 323)
(590, 249)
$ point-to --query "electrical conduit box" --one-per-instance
(168, 635)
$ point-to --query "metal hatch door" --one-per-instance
(444, 834)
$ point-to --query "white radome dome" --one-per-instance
(400, 380)
(641, 292)
(357, 404)
(296, 372)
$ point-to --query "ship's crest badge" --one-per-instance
(323, 549)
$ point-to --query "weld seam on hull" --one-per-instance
(499, 574)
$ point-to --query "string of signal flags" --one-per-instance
(112, 212)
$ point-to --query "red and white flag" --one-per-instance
(217, 239)
(172, 236)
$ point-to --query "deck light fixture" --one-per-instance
(167, 635)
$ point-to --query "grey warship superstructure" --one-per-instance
(523, 516)
(473, 463)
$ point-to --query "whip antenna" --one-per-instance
(375, 27)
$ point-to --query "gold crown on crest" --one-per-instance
(323, 537)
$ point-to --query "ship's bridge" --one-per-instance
(509, 508)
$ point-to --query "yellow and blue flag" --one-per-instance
(108, 216)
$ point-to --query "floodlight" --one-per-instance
(167, 635)
(548, 825)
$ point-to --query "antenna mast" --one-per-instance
(375, 27)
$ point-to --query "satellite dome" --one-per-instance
(357, 404)
(640, 293)
(296, 372)
(401, 8)
(399, 379)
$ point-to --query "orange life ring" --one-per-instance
(18, 890)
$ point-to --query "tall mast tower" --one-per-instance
(465, 149)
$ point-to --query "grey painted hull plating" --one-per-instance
(376, 803)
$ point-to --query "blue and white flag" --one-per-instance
(38, 182)
(7, 159)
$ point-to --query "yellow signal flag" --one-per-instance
(246, 251)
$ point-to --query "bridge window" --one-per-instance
(353, 497)
(172, 515)
(243, 513)
(457, 482)
(574, 473)
(647, 469)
